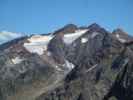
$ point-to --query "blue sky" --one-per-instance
(42, 16)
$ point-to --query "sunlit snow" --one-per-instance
(69, 65)
(69, 38)
(94, 34)
(84, 40)
(120, 39)
(16, 60)
(38, 43)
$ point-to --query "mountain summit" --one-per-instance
(69, 28)
(72, 63)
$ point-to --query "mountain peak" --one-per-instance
(70, 25)
(96, 28)
(94, 25)
(119, 31)
(69, 28)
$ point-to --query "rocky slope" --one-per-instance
(73, 63)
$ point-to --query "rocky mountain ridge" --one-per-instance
(73, 63)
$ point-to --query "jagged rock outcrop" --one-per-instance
(57, 47)
(69, 28)
(121, 35)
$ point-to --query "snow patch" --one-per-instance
(35, 48)
(117, 35)
(69, 38)
(120, 39)
(58, 68)
(94, 34)
(69, 65)
(38, 44)
(16, 60)
(49, 53)
(84, 40)
(40, 38)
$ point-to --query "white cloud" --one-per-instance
(7, 36)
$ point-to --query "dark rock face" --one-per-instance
(69, 28)
(15, 77)
(57, 47)
(103, 69)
